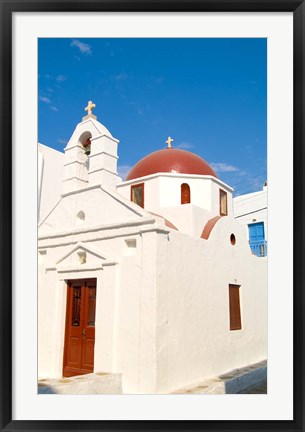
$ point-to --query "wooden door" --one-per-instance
(80, 327)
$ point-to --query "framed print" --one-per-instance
(166, 271)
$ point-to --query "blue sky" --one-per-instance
(210, 95)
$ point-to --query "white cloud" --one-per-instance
(83, 47)
(223, 167)
(120, 76)
(123, 170)
(62, 141)
(44, 99)
(61, 78)
(184, 145)
(53, 108)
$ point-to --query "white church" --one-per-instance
(151, 278)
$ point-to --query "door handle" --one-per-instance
(83, 334)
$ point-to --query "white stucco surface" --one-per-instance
(162, 304)
(100, 166)
(162, 195)
(50, 174)
(252, 208)
(193, 331)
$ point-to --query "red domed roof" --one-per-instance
(171, 160)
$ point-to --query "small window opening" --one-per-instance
(80, 217)
(223, 203)
(131, 243)
(131, 247)
(42, 256)
(137, 194)
(235, 318)
(185, 194)
(233, 239)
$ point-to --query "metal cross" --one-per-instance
(169, 142)
(89, 107)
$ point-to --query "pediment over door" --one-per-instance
(82, 258)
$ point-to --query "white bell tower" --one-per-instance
(90, 155)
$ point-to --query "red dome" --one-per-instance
(171, 160)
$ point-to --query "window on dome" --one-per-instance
(223, 203)
(137, 194)
(185, 194)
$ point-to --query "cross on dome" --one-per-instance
(169, 142)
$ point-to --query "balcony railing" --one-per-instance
(259, 248)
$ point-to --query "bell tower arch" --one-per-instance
(90, 155)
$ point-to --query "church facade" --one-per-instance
(151, 277)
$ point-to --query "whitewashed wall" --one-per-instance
(50, 174)
(194, 340)
(252, 208)
(162, 195)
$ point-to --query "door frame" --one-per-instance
(69, 281)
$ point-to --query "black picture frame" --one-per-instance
(7, 8)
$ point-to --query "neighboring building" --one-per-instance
(250, 211)
(50, 171)
(151, 277)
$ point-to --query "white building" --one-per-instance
(251, 212)
(50, 171)
(152, 277)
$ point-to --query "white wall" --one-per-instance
(50, 172)
(151, 191)
(194, 340)
(187, 218)
(119, 240)
(252, 208)
(125, 306)
(162, 195)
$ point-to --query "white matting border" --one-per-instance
(278, 28)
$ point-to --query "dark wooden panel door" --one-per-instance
(80, 327)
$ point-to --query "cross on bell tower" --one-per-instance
(89, 108)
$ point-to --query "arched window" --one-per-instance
(185, 194)
(84, 149)
(85, 140)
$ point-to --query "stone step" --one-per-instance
(235, 381)
(93, 383)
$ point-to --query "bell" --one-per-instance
(88, 149)
(87, 145)
(87, 142)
